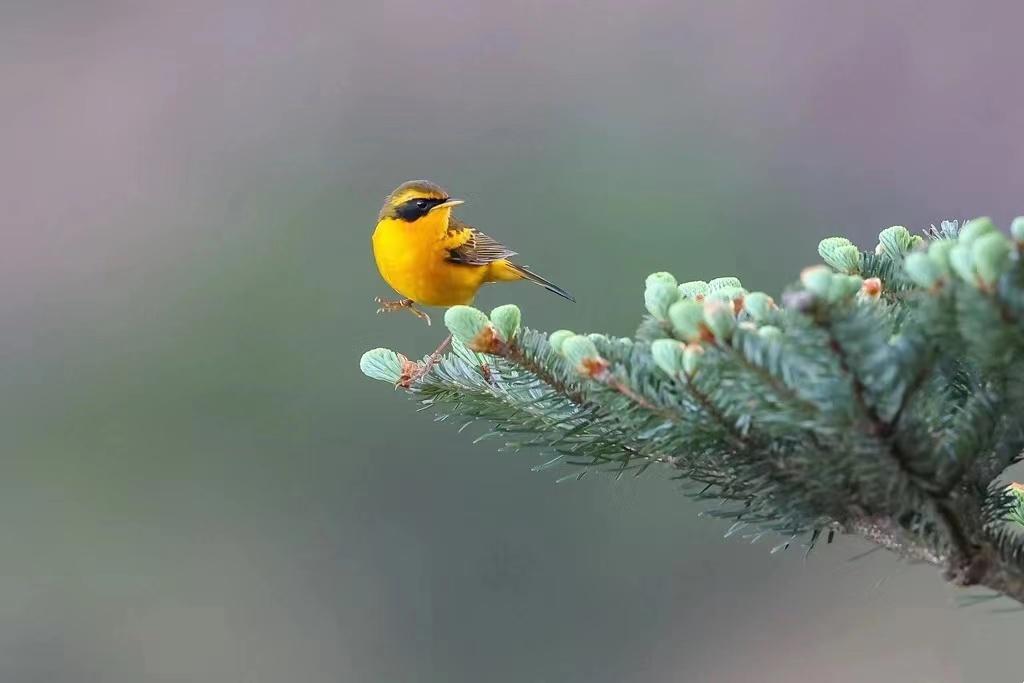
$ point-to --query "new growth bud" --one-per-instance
(841, 254)
(724, 282)
(658, 297)
(938, 252)
(1017, 231)
(692, 355)
(557, 338)
(922, 270)
(667, 278)
(694, 289)
(991, 255)
(828, 286)
(578, 348)
(507, 319)
(817, 280)
(844, 287)
(687, 318)
(961, 260)
(719, 318)
(759, 306)
(668, 355)
(895, 241)
(471, 327)
(382, 364)
(973, 229)
(581, 354)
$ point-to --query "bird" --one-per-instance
(432, 258)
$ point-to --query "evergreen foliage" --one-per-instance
(884, 398)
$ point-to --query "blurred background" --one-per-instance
(198, 484)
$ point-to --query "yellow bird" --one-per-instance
(433, 259)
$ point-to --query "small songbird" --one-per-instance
(433, 259)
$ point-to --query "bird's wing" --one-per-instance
(471, 247)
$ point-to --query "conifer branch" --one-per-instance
(885, 399)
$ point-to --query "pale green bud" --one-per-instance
(381, 364)
(693, 289)
(991, 255)
(843, 287)
(723, 282)
(962, 262)
(759, 305)
(1017, 229)
(817, 280)
(668, 355)
(687, 317)
(507, 320)
(731, 295)
(921, 269)
(658, 297)
(728, 294)
(938, 252)
(691, 358)
(769, 332)
(895, 241)
(557, 338)
(578, 349)
(840, 253)
(465, 323)
(719, 318)
(667, 278)
(973, 229)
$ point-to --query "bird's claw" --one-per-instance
(420, 314)
(389, 306)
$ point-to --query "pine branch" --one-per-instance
(885, 399)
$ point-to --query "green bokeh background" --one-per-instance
(198, 484)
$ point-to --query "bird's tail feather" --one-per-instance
(526, 274)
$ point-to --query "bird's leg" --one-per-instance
(413, 372)
(388, 306)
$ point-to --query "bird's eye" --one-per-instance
(414, 209)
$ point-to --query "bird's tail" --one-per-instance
(521, 273)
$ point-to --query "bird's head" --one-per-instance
(415, 199)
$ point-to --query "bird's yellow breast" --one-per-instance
(412, 258)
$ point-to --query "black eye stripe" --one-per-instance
(415, 208)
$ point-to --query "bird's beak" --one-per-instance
(447, 205)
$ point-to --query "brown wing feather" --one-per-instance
(478, 249)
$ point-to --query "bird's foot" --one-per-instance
(389, 306)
